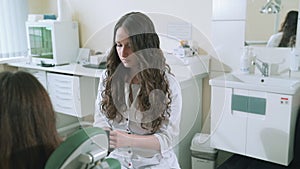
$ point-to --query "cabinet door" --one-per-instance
(269, 135)
(228, 128)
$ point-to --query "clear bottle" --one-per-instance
(295, 59)
(245, 62)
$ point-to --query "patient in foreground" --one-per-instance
(27, 122)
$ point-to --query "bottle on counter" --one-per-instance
(295, 59)
(245, 61)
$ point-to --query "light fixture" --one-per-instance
(272, 7)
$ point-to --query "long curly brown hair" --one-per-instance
(151, 75)
(289, 28)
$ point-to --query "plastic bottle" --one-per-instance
(245, 62)
(295, 59)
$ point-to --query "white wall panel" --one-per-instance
(229, 9)
(228, 40)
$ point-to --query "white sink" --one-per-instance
(257, 82)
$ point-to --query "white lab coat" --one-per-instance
(131, 157)
(275, 39)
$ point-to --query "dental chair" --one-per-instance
(86, 148)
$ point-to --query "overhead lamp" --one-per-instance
(272, 7)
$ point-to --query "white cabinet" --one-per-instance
(191, 117)
(72, 89)
(189, 71)
(253, 123)
(72, 95)
(228, 130)
(271, 136)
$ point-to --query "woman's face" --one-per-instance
(124, 49)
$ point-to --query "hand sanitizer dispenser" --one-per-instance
(245, 62)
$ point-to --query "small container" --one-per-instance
(245, 62)
(295, 59)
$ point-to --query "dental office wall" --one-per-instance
(94, 15)
(97, 17)
(221, 21)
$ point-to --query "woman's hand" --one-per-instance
(119, 139)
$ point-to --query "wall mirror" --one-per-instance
(260, 26)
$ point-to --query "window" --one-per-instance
(13, 14)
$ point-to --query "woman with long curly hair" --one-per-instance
(139, 100)
(27, 122)
(286, 33)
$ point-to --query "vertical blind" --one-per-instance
(13, 14)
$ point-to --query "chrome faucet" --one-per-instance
(263, 68)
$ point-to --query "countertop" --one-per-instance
(183, 68)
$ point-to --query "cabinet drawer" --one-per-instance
(71, 93)
(61, 81)
(64, 91)
(64, 106)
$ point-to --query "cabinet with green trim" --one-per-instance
(254, 123)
